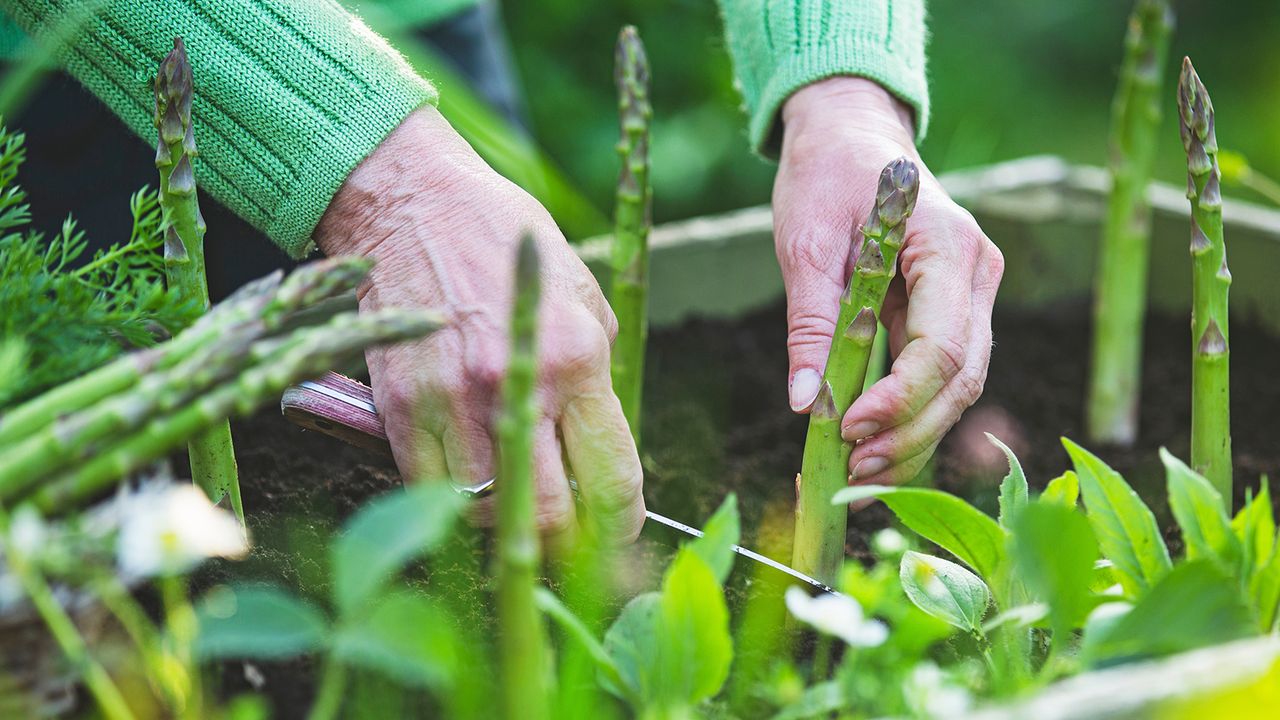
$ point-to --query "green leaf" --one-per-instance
(1264, 591)
(1193, 605)
(1013, 489)
(1198, 508)
(1124, 526)
(1064, 490)
(944, 519)
(1255, 528)
(1017, 617)
(550, 604)
(405, 636)
(260, 622)
(386, 534)
(673, 648)
(945, 590)
(1054, 552)
(719, 536)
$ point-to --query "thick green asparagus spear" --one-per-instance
(267, 301)
(523, 648)
(271, 366)
(213, 460)
(820, 526)
(1210, 285)
(630, 294)
(1120, 295)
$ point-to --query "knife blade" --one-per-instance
(343, 408)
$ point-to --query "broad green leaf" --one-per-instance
(1054, 552)
(1198, 508)
(1064, 490)
(405, 636)
(387, 533)
(673, 648)
(1193, 605)
(1013, 489)
(1255, 527)
(1124, 526)
(945, 590)
(1264, 591)
(719, 536)
(1017, 617)
(257, 622)
(944, 519)
(550, 604)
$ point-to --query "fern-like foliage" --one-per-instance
(63, 313)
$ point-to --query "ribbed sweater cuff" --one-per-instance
(290, 94)
(779, 46)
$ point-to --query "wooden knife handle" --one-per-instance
(337, 406)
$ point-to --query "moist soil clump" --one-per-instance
(717, 421)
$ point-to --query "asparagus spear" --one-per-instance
(1121, 292)
(213, 460)
(273, 365)
(266, 300)
(631, 229)
(820, 526)
(1210, 285)
(523, 641)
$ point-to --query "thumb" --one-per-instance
(813, 273)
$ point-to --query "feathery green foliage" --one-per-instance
(64, 312)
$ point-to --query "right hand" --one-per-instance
(443, 227)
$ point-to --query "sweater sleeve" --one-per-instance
(779, 46)
(290, 94)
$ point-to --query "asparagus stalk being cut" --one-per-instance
(213, 460)
(630, 260)
(1120, 294)
(820, 526)
(524, 653)
(1210, 286)
(261, 373)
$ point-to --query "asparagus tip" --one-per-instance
(897, 191)
(1195, 119)
(631, 64)
(527, 265)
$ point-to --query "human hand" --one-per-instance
(443, 227)
(838, 135)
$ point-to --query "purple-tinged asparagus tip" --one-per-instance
(824, 406)
(1195, 120)
(896, 194)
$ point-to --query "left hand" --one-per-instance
(838, 134)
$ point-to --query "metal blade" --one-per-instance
(751, 554)
(355, 420)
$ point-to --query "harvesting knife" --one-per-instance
(343, 408)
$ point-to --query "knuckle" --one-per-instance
(483, 370)
(969, 383)
(948, 355)
(582, 351)
(806, 253)
(555, 514)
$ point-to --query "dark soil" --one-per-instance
(716, 421)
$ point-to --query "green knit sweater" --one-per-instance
(292, 94)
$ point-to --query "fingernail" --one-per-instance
(860, 430)
(804, 388)
(868, 467)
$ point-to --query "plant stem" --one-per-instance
(820, 526)
(64, 630)
(630, 294)
(1120, 292)
(181, 628)
(333, 683)
(1210, 286)
(523, 644)
(213, 460)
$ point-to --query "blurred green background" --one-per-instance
(1008, 78)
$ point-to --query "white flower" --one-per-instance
(27, 531)
(171, 528)
(888, 543)
(838, 615)
(930, 693)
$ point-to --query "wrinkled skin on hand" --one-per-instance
(838, 134)
(443, 227)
